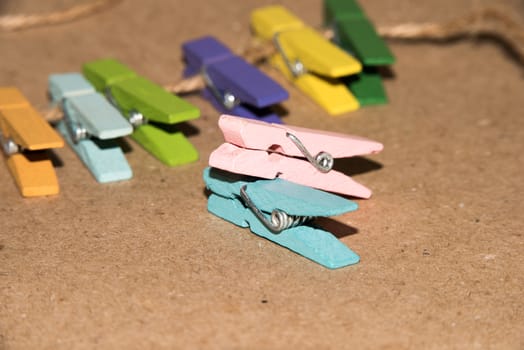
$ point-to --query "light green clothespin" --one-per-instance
(152, 110)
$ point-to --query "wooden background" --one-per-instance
(141, 264)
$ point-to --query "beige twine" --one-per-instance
(492, 22)
(20, 22)
(487, 21)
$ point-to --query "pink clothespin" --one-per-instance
(268, 151)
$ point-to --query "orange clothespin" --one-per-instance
(25, 136)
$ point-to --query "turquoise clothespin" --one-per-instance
(278, 210)
(90, 125)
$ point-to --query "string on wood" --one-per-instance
(20, 22)
(488, 21)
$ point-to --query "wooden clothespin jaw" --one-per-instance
(90, 126)
(148, 107)
(310, 61)
(25, 136)
(355, 33)
(279, 210)
(233, 85)
(299, 155)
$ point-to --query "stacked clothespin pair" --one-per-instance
(341, 75)
(272, 178)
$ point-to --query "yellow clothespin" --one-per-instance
(310, 61)
(24, 137)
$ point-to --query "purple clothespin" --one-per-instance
(233, 85)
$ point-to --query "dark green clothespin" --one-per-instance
(354, 32)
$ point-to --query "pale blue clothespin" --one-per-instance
(279, 211)
(90, 125)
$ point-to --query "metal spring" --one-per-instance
(76, 130)
(134, 117)
(296, 67)
(323, 161)
(226, 98)
(280, 220)
(9, 147)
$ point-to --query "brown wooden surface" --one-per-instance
(141, 264)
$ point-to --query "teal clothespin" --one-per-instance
(278, 210)
(152, 110)
(355, 33)
(90, 125)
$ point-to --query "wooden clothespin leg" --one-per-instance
(25, 136)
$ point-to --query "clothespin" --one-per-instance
(90, 126)
(355, 33)
(233, 85)
(25, 136)
(299, 155)
(279, 210)
(309, 60)
(151, 110)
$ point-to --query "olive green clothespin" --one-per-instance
(149, 108)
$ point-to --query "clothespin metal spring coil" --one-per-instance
(280, 220)
(9, 147)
